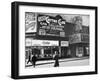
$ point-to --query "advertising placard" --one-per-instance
(51, 26)
(75, 38)
(30, 22)
(64, 43)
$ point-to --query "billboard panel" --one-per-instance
(64, 43)
(50, 26)
(79, 38)
(75, 38)
(30, 22)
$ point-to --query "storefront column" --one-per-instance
(77, 51)
(42, 52)
(59, 51)
(51, 51)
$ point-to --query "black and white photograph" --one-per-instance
(51, 40)
(56, 40)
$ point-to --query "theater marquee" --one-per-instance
(50, 26)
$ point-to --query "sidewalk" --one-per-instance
(60, 60)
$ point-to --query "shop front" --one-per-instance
(79, 45)
(44, 51)
(49, 37)
(82, 50)
(64, 49)
(42, 48)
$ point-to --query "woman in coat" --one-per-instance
(56, 58)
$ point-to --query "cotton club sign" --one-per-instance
(50, 25)
(50, 20)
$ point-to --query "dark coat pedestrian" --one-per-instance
(56, 58)
(29, 59)
(34, 59)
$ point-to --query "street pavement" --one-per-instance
(62, 62)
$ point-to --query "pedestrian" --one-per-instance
(56, 57)
(34, 59)
(29, 58)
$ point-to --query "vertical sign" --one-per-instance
(30, 22)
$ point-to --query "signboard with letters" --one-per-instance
(30, 22)
(50, 26)
(31, 42)
(64, 43)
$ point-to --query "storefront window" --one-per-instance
(43, 51)
(55, 48)
(47, 51)
(79, 52)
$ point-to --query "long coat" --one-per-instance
(56, 64)
(34, 58)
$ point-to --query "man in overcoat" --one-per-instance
(34, 59)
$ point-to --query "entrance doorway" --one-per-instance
(64, 51)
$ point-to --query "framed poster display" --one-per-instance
(52, 40)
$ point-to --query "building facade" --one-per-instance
(48, 38)
(78, 38)
(47, 34)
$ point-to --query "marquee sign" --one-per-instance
(31, 42)
(45, 43)
(50, 26)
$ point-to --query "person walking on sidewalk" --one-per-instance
(56, 57)
(34, 59)
(29, 58)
